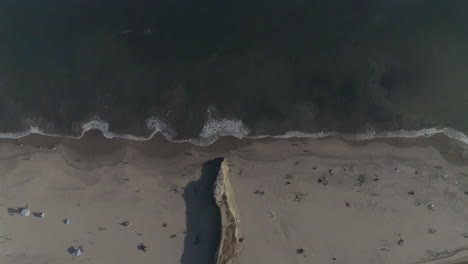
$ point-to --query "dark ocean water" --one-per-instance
(303, 65)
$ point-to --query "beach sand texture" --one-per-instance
(295, 201)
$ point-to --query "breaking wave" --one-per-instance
(154, 124)
(216, 128)
(372, 134)
(213, 129)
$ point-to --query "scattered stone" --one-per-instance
(270, 213)
(241, 239)
(174, 189)
(78, 251)
(173, 236)
(457, 183)
(432, 231)
(101, 228)
(25, 212)
(347, 204)
(314, 168)
(51, 147)
(142, 247)
(298, 197)
(126, 223)
(466, 193)
(323, 181)
(430, 207)
(259, 192)
(164, 225)
(400, 242)
(288, 183)
(361, 179)
(66, 221)
(438, 167)
(397, 169)
(333, 258)
(289, 176)
(416, 172)
(331, 171)
(18, 143)
(300, 251)
(411, 192)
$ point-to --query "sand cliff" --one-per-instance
(230, 220)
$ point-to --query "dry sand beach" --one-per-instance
(273, 201)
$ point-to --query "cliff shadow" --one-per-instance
(203, 233)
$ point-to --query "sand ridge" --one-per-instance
(225, 199)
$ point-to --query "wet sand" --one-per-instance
(361, 211)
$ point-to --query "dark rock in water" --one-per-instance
(411, 193)
(300, 251)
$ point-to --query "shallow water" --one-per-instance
(310, 66)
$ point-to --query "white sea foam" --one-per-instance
(216, 128)
(372, 134)
(154, 124)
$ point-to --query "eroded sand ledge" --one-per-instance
(224, 195)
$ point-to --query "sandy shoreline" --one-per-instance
(98, 183)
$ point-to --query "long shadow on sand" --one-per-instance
(203, 217)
